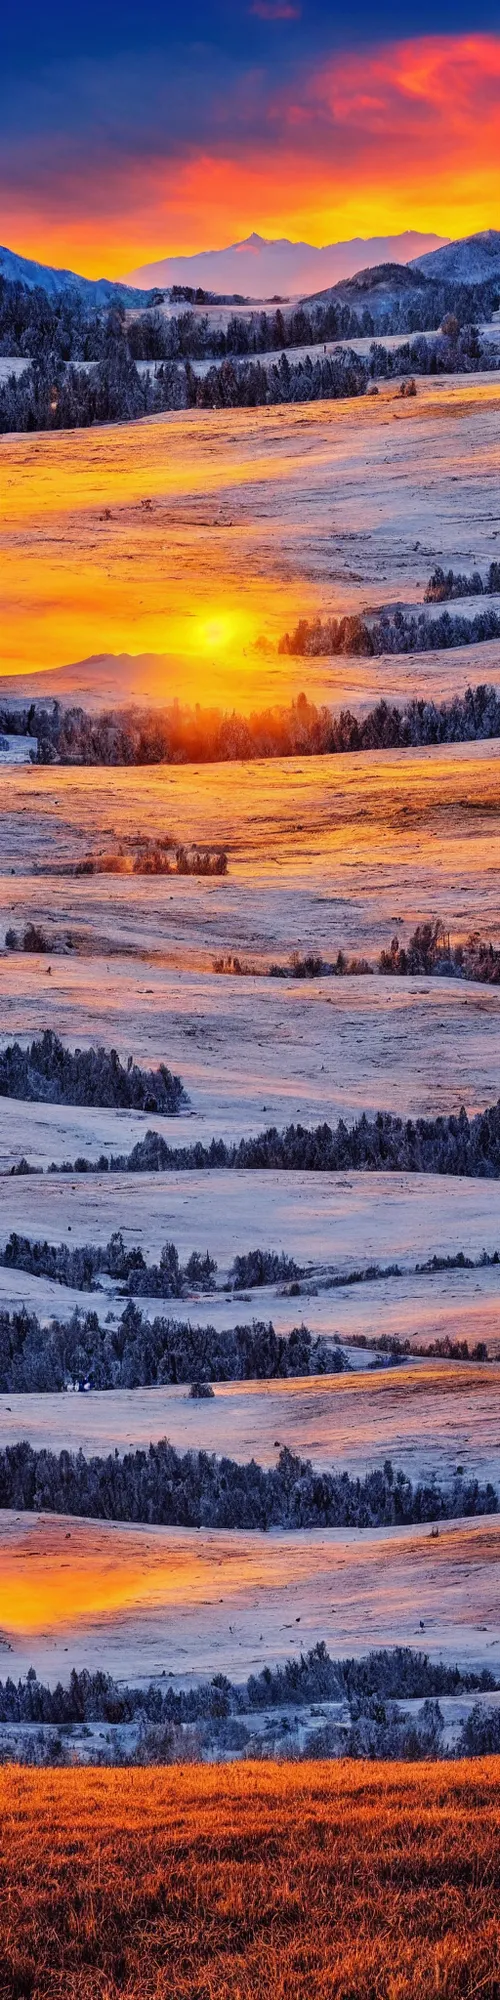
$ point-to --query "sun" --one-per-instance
(221, 629)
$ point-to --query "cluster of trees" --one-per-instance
(442, 1348)
(451, 1144)
(196, 1489)
(454, 350)
(178, 735)
(48, 1073)
(138, 1352)
(393, 632)
(263, 1267)
(81, 1266)
(430, 951)
(61, 328)
(51, 395)
(145, 856)
(194, 337)
(310, 965)
(249, 384)
(445, 584)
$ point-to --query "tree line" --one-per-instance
(64, 328)
(141, 1353)
(82, 1266)
(142, 855)
(52, 394)
(449, 1144)
(444, 584)
(318, 377)
(157, 1725)
(196, 1489)
(430, 951)
(181, 735)
(396, 1673)
(393, 632)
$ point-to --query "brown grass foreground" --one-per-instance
(315, 1882)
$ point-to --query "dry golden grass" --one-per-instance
(315, 1882)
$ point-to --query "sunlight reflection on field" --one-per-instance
(192, 535)
(137, 1599)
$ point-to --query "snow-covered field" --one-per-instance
(454, 1305)
(253, 519)
(338, 1222)
(323, 854)
(430, 1417)
(137, 1601)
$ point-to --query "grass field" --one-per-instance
(306, 1882)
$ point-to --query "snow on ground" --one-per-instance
(322, 851)
(446, 1305)
(429, 1418)
(336, 1221)
(251, 1053)
(13, 364)
(323, 854)
(252, 520)
(256, 517)
(135, 1601)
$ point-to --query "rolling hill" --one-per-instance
(470, 261)
(91, 291)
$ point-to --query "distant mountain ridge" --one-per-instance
(259, 266)
(91, 291)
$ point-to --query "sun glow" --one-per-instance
(222, 629)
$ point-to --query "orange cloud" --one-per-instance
(403, 136)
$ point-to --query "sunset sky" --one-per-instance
(133, 131)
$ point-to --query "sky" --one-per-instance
(136, 129)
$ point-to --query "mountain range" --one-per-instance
(260, 267)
